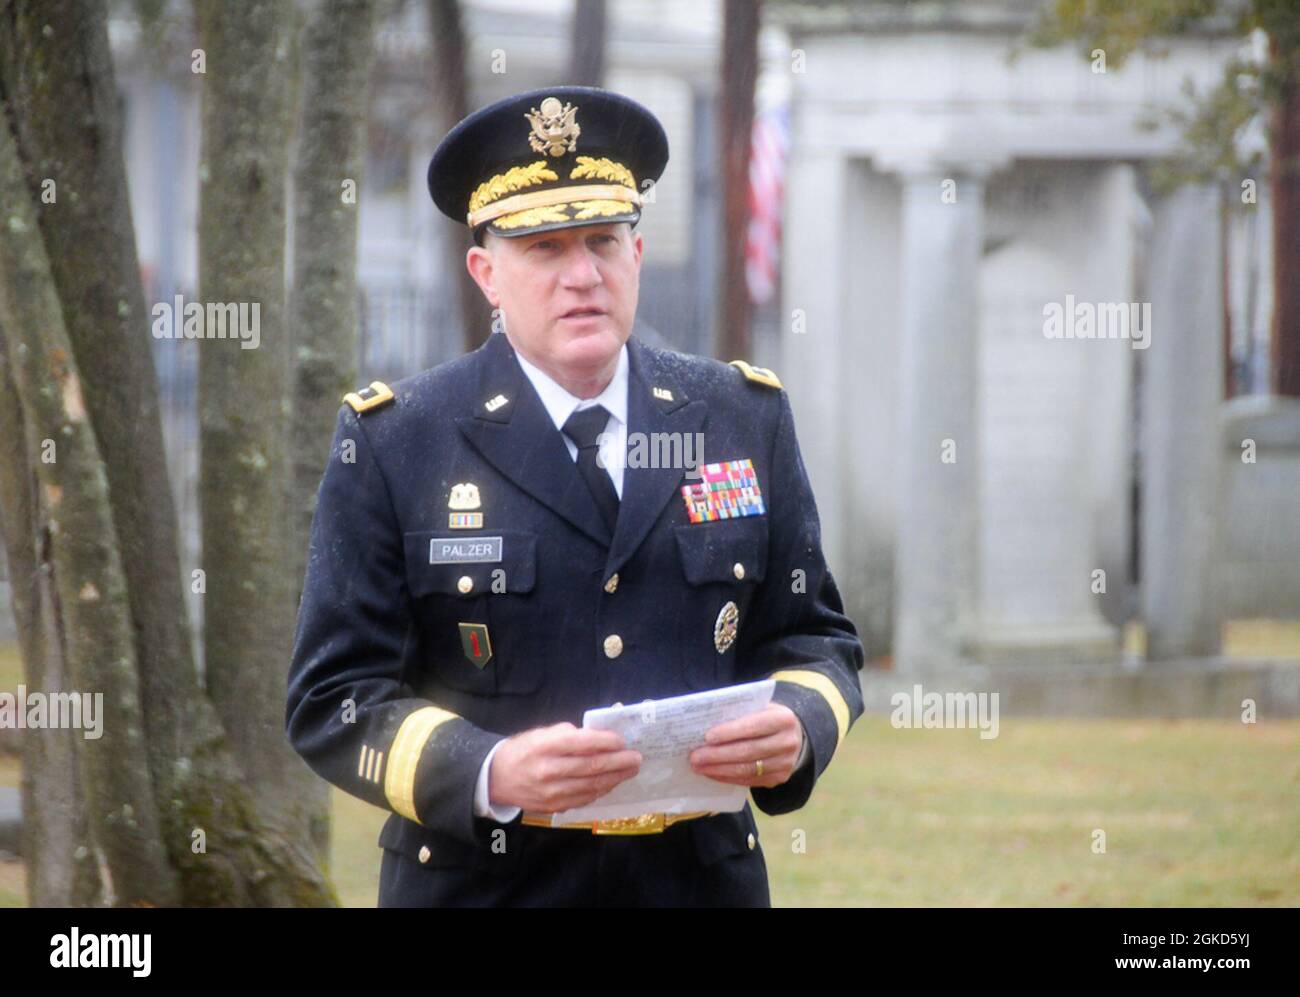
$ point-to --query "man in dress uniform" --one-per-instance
(489, 559)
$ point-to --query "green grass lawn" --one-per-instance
(1195, 812)
(12, 891)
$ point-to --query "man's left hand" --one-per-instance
(773, 735)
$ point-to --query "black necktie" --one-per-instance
(584, 428)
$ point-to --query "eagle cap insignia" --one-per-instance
(555, 128)
(464, 496)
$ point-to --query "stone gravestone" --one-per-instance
(1037, 549)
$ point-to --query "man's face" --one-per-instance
(568, 296)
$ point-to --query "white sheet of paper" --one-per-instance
(666, 731)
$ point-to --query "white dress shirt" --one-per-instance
(560, 405)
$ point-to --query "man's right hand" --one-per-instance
(549, 769)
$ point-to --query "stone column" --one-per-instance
(935, 566)
(814, 327)
(1182, 392)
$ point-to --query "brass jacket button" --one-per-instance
(750, 841)
(465, 584)
(613, 646)
(425, 854)
(738, 570)
(612, 584)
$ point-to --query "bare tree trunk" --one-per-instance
(337, 54)
(451, 102)
(1284, 181)
(54, 56)
(58, 848)
(244, 401)
(88, 575)
(739, 76)
(587, 44)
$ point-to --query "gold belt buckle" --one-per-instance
(641, 824)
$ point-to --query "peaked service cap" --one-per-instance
(551, 158)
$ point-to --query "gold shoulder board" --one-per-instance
(760, 374)
(368, 399)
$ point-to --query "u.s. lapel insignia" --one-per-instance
(726, 490)
(663, 394)
(464, 496)
(495, 402)
(724, 630)
(475, 643)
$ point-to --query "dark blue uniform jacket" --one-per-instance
(383, 697)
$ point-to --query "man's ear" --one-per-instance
(479, 262)
(637, 247)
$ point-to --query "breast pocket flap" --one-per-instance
(725, 550)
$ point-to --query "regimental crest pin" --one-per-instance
(724, 629)
(475, 643)
(464, 496)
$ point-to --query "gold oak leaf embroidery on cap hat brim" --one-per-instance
(602, 169)
(599, 209)
(510, 181)
(533, 216)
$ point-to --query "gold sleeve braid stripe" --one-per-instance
(824, 687)
(404, 757)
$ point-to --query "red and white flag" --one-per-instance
(768, 143)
